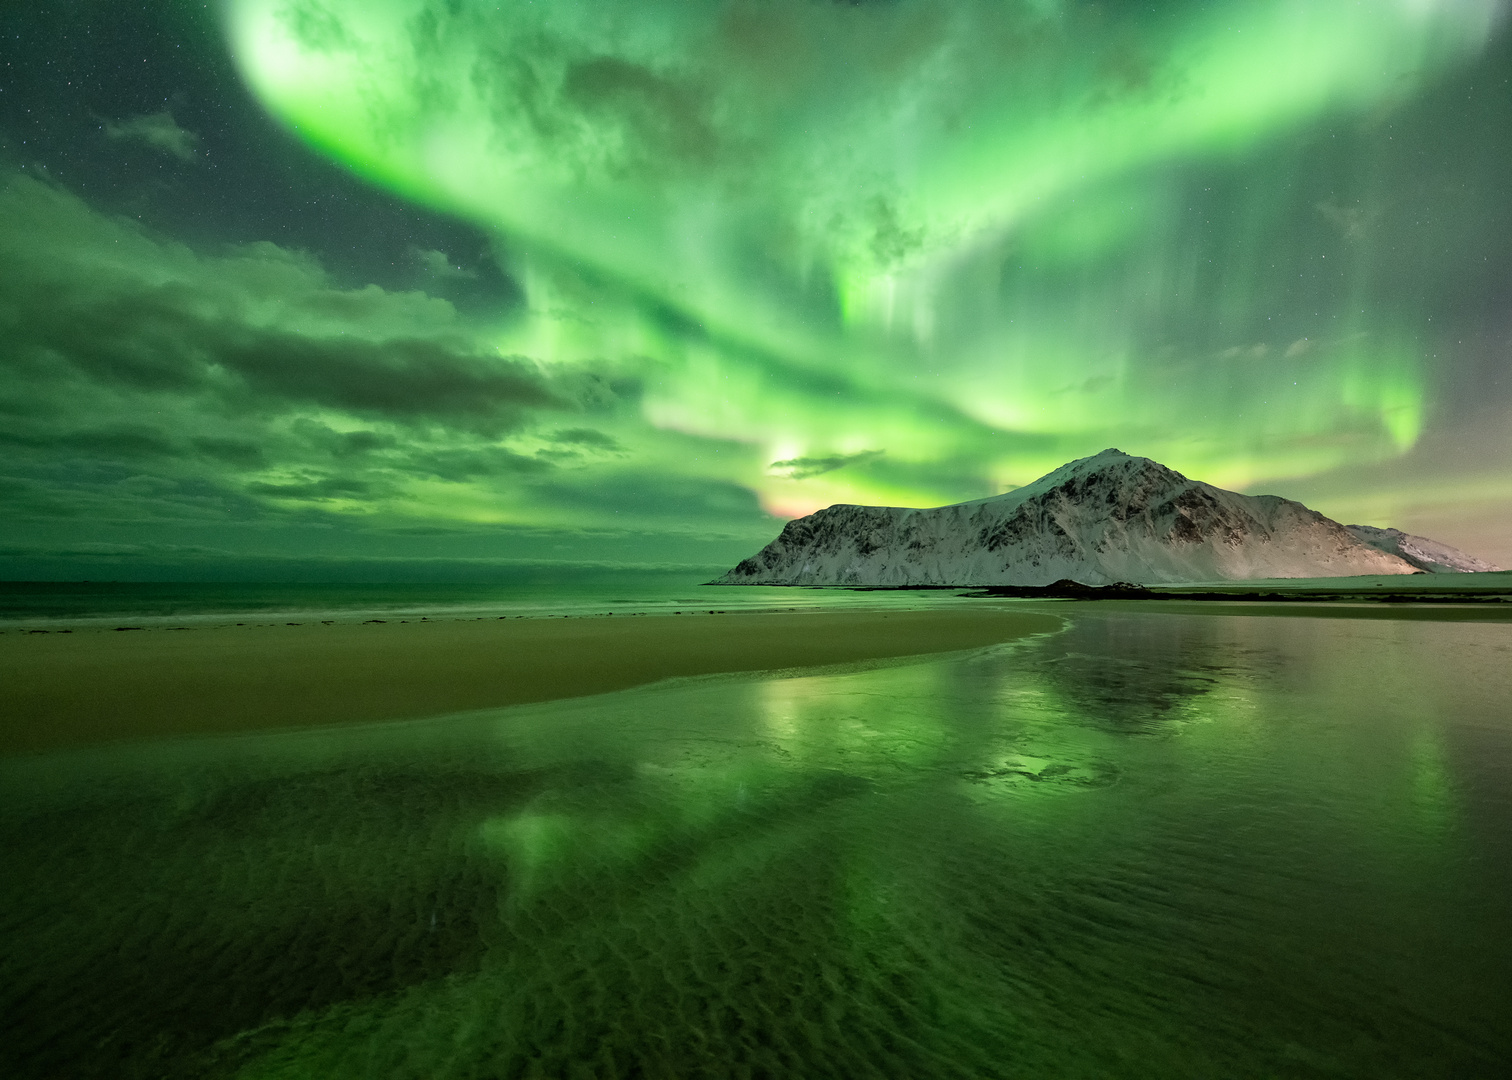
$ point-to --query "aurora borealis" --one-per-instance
(716, 263)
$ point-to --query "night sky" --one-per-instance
(461, 289)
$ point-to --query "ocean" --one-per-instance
(1155, 844)
(46, 603)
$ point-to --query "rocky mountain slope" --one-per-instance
(1421, 552)
(1097, 520)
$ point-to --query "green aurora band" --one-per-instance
(915, 251)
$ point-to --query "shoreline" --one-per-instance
(84, 686)
(1422, 588)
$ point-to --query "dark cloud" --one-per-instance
(597, 440)
(239, 452)
(580, 444)
(24, 498)
(598, 391)
(399, 378)
(458, 465)
(120, 442)
(106, 549)
(342, 445)
(667, 499)
(804, 467)
(315, 490)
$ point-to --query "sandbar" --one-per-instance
(96, 685)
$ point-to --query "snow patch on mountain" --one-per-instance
(1097, 520)
(1421, 552)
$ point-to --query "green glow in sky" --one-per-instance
(910, 251)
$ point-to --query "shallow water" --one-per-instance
(1153, 845)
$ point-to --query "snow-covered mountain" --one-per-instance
(1421, 552)
(1097, 520)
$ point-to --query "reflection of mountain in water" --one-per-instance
(1098, 520)
(1131, 674)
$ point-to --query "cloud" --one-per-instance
(587, 437)
(802, 468)
(314, 489)
(623, 495)
(402, 378)
(157, 130)
(144, 378)
(461, 464)
(106, 549)
(96, 300)
(122, 441)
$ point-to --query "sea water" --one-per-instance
(49, 603)
(1152, 845)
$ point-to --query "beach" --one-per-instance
(1217, 842)
(93, 684)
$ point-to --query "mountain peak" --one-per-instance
(1115, 459)
(1111, 460)
(1108, 468)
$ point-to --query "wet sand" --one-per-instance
(98, 685)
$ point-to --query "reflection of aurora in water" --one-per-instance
(1151, 845)
(933, 248)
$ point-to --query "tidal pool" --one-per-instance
(1152, 845)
